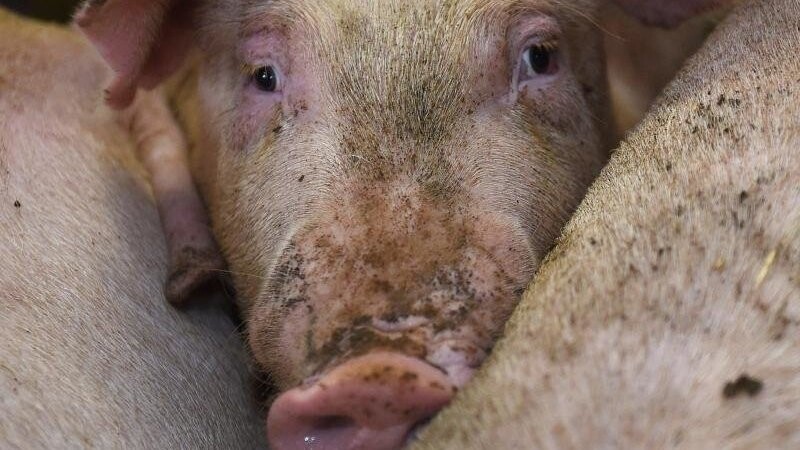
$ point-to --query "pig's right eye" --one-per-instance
(266, 79)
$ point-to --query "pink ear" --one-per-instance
(668, 13)
(143, 41)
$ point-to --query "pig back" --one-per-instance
(91, 354)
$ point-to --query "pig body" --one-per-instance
(667, 316)
(92, 356)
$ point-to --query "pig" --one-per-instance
(91, 356)
(668, 314)
(383, 179)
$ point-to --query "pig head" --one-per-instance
(383, 178)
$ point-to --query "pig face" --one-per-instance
(390, 173)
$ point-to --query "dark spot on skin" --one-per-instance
(408, 377)
(668, 167)
(736, 220)
(743, 196)
(17, 204)
(436, 385)
(593, 241)
(302, 177)
(734, 102)
(745, 384)
(277, 129)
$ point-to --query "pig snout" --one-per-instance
(370, 402)
(381, 310)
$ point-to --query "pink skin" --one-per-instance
(371, 397)
(370, 402)
(193, 254)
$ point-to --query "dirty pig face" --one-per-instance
(388, 176)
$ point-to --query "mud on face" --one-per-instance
(395, 269)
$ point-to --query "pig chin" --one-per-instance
(387, 306)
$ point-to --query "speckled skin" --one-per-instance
(667, 315)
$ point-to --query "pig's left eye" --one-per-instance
(266, 79)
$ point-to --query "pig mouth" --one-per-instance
(378, 401)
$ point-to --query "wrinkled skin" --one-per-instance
(668, 315)
(385, 202)
(91, 355)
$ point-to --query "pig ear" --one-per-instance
(668, 13)
(144, 41)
